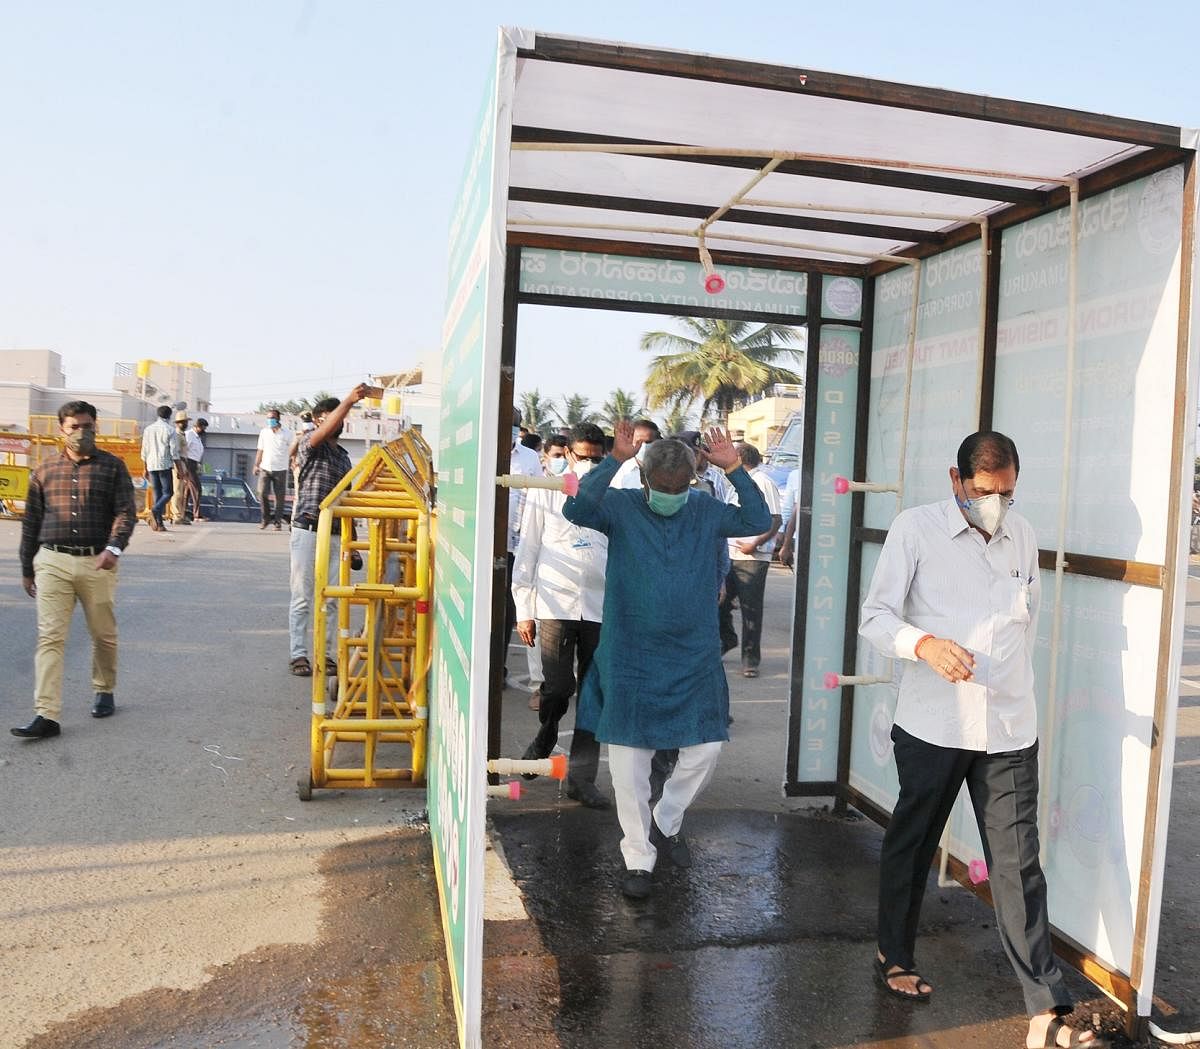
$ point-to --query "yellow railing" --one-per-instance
(379, 696)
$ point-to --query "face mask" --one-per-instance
(82, 442)
(583, 466)
(557, 466)
(516, 435)
(273, 423)
(664, 503)
(640, 454)
(986, 512)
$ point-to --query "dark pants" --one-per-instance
(510, 610)
(565, 643)
(269, 480)
(164, 488)
(1004, 790)
(746, 583)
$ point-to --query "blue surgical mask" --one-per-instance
(556, 466)
(665, 504)
(273, 423)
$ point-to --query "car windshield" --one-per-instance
(787, 452)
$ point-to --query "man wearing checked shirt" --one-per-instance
(79, 515)
(956, 593)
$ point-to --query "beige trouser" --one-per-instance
(61, 580)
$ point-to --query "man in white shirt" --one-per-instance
(271, 468)
(956, 594)
(746, 582)
(645, 433)
(527, 462)
(558, 588)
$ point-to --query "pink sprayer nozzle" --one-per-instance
(570, 484)
(514, 790)
(714, 284)
(841, 485)
(831, 680)
(977, 871)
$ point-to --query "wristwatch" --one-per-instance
(114, 550)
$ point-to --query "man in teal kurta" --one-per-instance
(656, 682)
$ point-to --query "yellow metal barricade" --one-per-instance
(382, 510)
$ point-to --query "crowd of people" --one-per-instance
(665, 523)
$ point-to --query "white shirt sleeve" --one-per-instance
(882, 621)
(525, 561)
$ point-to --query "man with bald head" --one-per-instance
(654, 685)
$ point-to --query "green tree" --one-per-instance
(720, 362)
(294, 406)
(678, 417)
(621, 404)
(575, 409)
(536, 412)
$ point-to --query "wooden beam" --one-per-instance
(1118, 174)
(913, 180)
(783, 220)
(850, 88)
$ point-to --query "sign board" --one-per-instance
(835, 402)
(1098, 727)
(14, 482)
(465, 460)
(15, 445)
(662, 282)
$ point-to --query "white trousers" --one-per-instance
(630, 771)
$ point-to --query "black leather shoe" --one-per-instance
(38, 728)
(637, 885)
(587, 795)
(104, 705)
(675, 846)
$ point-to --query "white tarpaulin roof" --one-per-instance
(885, 151)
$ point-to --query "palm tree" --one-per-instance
(724, 364)
(621, 404)
(536, 412)
(575, 410)
(678, 417)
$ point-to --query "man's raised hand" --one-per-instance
(721, 452)
(624, 446)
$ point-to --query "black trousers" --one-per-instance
(746, 583)
(1004, 791)
(272, 481)
(566, 643)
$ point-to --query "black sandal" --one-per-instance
(1051, 1040)
(882, 967)
(301, 667)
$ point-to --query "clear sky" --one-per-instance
(266, 187)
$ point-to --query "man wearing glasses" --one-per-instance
(558, 590)
(956, 593)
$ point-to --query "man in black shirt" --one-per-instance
(79, 515)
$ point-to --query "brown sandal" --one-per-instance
(301, 667)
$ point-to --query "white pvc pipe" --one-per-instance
(737, 197)
(908, 371)
(1064, 504)
(845, 209)
(1173, 1039)
(870, 256)
(780, 155)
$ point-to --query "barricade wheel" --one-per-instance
(304, 788)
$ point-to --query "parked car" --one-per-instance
(784, 457)
(228, 499)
